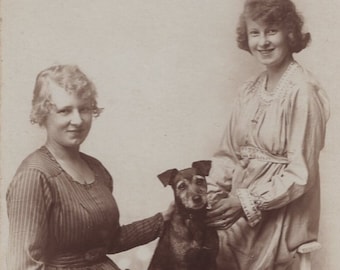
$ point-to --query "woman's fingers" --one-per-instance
(222, 214)
(220, 224)
(168, 212)
(219, 208)
(215, 213)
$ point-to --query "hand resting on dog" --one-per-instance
(224, 212)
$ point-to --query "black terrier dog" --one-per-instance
(187, 243)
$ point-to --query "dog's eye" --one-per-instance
(181, 186)
(200, 181)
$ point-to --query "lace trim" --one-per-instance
(249, 207)
(281, 88)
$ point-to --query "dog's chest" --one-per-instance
(186, 235)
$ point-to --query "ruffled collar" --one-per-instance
(281, 88)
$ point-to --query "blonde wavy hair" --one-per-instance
(69, 77)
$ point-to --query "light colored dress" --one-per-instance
(270, 153)
(57, 223)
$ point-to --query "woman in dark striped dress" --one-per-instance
(62, 214)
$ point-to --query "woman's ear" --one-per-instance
(291, 40)
(291, 37)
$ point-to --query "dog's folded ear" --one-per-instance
(167, 176)
(202, 167)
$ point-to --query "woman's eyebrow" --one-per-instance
(63, 107)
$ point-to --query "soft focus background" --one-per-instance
(166, 73)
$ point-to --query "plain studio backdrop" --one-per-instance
(167, 72)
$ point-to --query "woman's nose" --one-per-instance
(76, 117)
(263, 41)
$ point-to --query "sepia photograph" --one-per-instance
(169, 135)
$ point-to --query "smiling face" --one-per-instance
(268, 43)
(69, 119)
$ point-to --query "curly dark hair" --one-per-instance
(69, 77)
(273, 12)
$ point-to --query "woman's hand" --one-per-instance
(224, 212)
(168, 212)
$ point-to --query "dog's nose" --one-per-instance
(197, 199)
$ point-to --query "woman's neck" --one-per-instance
(71, 162)
(63, 153)
(275, 73)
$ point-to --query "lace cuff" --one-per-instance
(253, 214)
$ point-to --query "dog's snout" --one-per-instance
(197, 199)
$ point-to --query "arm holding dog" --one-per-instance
(295, 179)
(141, 232)
(224, 212)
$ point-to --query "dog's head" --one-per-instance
(189, 185)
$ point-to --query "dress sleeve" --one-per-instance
(306, 134)
(28, 204)
(224, 160)
(222, 165)
(138, 233)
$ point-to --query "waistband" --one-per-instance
(77, 259)
(250, 152)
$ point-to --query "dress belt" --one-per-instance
(250, 152)
(77, 259)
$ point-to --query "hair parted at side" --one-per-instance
(69, 77)
(273, 12)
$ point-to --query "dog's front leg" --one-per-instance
(162, 257)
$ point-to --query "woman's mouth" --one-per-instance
(265, 52)
(75, 131)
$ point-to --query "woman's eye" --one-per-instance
(64, 111)
(272, 31)
(253, 33)
(85, 110)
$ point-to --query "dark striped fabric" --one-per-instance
(58, 223)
